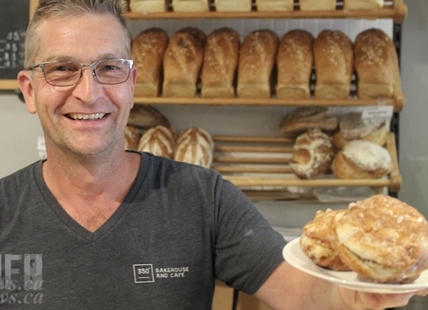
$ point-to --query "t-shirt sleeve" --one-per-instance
(247, 248)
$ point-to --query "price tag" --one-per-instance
(377, 112)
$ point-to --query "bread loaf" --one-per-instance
(257, 58)
(147, 51)
(232, 5)
(146, 116)
(333, 53)
(313, 154)
(159, 140)
(353, 127)
(317, 5)
(301, 119)
(190, 5)
(376, 64)
(360, 159)
(220, 64)
(182, 62)
(294, 65)
(362, 4)
(148, 6)
(132, 136)
(274, 5)
(194, 146)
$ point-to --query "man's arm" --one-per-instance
(288, 288)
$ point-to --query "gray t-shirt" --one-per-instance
(179, 228)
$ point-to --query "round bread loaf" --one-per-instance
(383, 240)
(132, 136)
(313, 154)
(194, 146)
(361, 159)
(317, 240)
(301, 119)
(159, 140)
(353, 127)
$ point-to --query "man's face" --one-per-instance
(88, 118)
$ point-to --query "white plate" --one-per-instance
(294, 255)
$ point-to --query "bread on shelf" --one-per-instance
(333, 54)
(232, 5)
(362, 4)
(221, 55)
(158, 140)
(190, 5)
(376, 64)
(148, 6)
(147, 51)
(146, 116)
(317, 5)
(274, 5)
(182, 62)
(295, 62)
(257, 58)
(132, 136)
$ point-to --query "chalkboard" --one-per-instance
(15, 15)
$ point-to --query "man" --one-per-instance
(95, 227)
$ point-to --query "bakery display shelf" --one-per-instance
(262, 164)
(392, 9)
(398, 103)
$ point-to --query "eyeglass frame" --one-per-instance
(82, 66)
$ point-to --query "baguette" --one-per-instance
(376, 64)
(333, 53)
(220, 64)
(257, 58)
(147, 51)
(295, 63)
(182, 62)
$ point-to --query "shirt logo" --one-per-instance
(146, 273)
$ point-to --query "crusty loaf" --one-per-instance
(146, 116)
(194, 146)
(148, 6)
(232, 5)
(190, 5)
(333, 52)
(132, 136)
(362, 4)
(353, 127)
(220, 64)
(294, 65)
(158, 140)
(301, 119)
(376, 64)
(317, 5)
(313, 153)
(274, 5)
(257, 58)
(147, 52)
(361, 159)
(182, 62)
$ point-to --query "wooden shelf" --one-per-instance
(263, 163)
(392, 9)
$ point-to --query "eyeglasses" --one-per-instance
(69, 73)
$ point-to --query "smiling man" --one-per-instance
(97, 227)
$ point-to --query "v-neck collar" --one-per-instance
(110, 223)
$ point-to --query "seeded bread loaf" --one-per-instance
(220, 64)
(147, 51)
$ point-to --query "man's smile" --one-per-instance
(86, 117)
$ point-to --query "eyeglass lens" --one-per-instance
(109, 72)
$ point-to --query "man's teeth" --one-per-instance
(78, 116)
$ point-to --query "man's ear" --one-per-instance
(26, 87)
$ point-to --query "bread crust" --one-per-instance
(220, 64)
(194, 146)
(376, 64)
(295, 63)
(317, 5)
(182, 62)
(257, 58)
(158, 140)
(362, 4)
(146, 116)
(333, 54)
(147, 51)
(383, 239)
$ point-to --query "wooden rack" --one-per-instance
(392, 9)
(262, 163)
